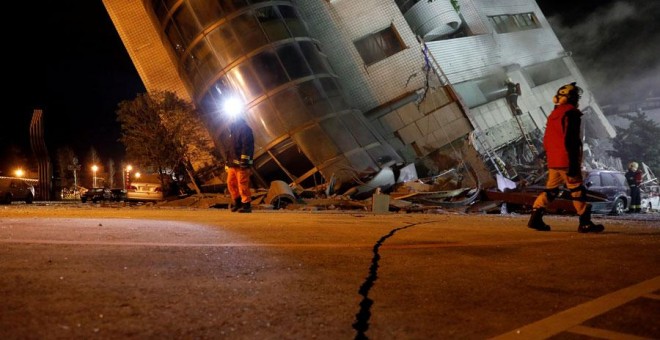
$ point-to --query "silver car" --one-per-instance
(15, 189)
(144, 192)
(612, 184)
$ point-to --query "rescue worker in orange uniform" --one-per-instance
(563, 147)
(239, 164)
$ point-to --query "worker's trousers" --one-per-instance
(557, 177)
(238, 183)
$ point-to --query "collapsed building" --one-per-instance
(338, 90)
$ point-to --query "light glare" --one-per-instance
(233, 107)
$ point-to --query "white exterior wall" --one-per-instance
(478, 56)
(336, 24)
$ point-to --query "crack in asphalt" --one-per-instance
(361, 324)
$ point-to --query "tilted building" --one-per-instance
(336, 88)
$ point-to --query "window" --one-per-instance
(270, 71)
(621, 180)
(292, 111)
(226, 46)
(514, 22)
(405, 5)
(207, 12)
(272, 24)
(293, 60)
(187, 24)
(608, 180)
(380, 45)
(293, 21)
(546, 72)
(314, 56)
(594, 179)
(480, 91)
(247, 29)
(207, 63)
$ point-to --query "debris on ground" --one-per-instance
(399, 190)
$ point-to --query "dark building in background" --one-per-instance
(44, 167)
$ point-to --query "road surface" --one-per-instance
(110, 272)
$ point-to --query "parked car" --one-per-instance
(15, 189)
(96, 195)
(118, 194)
(612, 184)
(651, 198)
(144, 192)
(607, 184)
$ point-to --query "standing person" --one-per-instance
(634, 179)
(239, 163)
(563, 147)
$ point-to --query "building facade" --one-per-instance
(334, 88)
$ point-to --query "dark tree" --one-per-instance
(164, 132)
(639, 141)
(65, 156)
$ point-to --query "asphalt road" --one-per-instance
(110, 272)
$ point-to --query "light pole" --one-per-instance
(94, 169)
(127, 177)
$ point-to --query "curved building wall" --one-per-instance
(430, 20)
(261, 52)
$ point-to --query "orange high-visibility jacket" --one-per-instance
(562, 141)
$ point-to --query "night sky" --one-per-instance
(66, 58)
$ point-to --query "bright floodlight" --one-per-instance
(19, 172)
(233, 106)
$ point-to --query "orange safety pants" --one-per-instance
(556, 177)
(238, 183)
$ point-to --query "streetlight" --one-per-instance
(94, 169)
(19, 172)
(137, 175)
(127, 176)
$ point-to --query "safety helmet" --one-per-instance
(569, 93)
(633, 165)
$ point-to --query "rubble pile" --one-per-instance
(405, 193)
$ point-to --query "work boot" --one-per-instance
(586, 225)
(237, 205)
(536, 220)
(245, 208)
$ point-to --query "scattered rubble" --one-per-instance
(399, 190)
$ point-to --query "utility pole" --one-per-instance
(74, 167)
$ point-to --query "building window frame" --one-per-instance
(507, 23)
(379, 45)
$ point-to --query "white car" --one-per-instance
(144, 192)
(651, 198)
